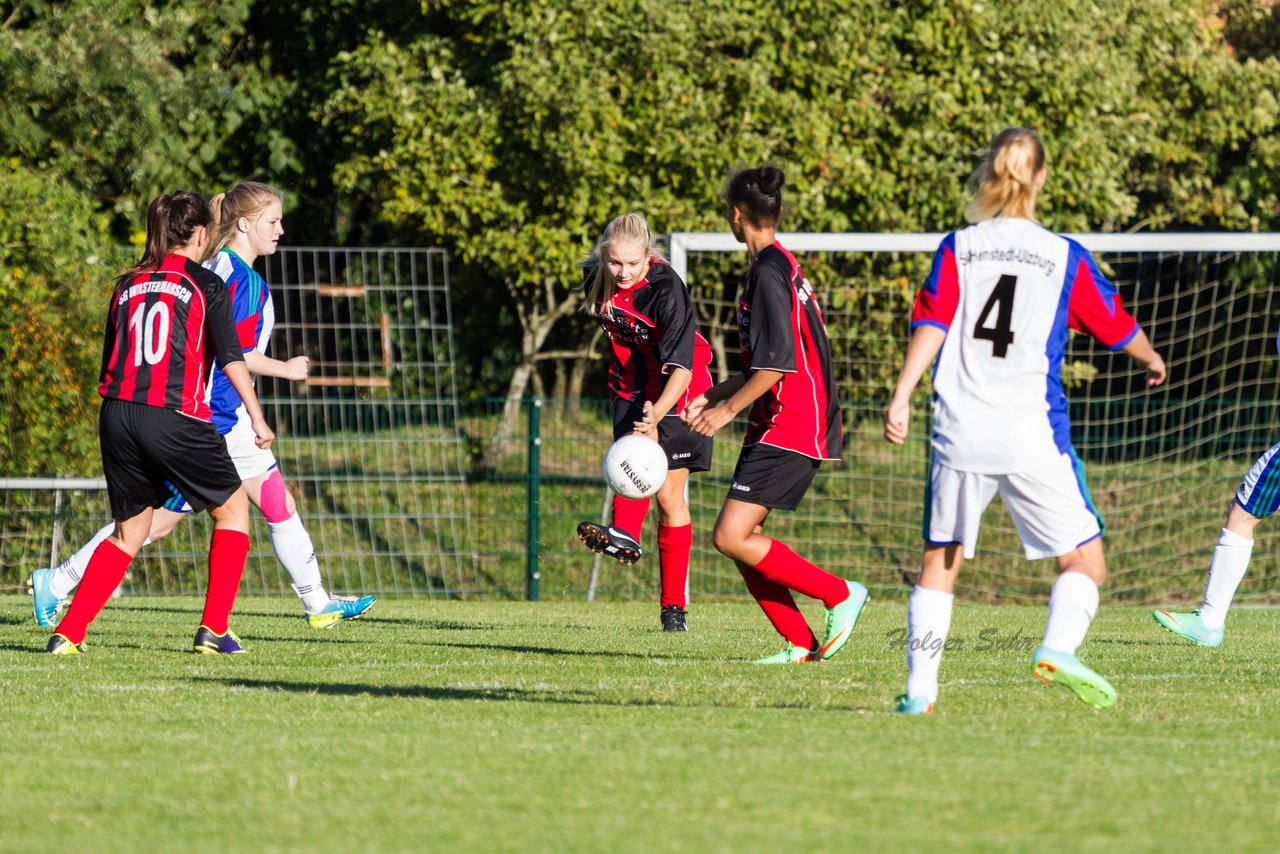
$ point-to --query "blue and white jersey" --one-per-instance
(1006, 291)
(254, 318)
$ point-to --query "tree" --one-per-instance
(106, 104)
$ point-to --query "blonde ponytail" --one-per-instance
(1004, 184)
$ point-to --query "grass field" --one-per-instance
(446, 725)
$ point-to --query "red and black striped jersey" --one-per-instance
(651, 329)
(164, 328)
(780, 328)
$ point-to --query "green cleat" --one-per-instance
(791, 655)
(1189, 626)
(339, 610)
(914, 706)
(59, 645)
(841, 619)
(1049, 665)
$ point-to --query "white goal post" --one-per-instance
(684, 242)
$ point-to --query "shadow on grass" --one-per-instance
(501, 694)
(414, 691)
(554, 651)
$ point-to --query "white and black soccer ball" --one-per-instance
(635, 466)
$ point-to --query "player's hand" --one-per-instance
(648, 423)
(897, 421)
(711, 420)
(693, 409)
(1156, 371)
(263, 433)
(297, 368)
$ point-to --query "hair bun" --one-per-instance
(771, 180)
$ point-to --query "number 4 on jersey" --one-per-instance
(1000, 335)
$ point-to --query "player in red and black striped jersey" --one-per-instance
(660, 362)
(164, 328)
(794, 425)
(167, 319)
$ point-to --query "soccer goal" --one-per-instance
(370, 444)
(1162, 463)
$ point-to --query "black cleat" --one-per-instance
(673, 619)
(609, 541)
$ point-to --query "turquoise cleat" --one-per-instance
(841, 619)
(1189, 626)
(791, 655)
(1049, 665)
(340, 609)
(914, 706)
(45, 604)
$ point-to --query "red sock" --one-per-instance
(629, 513)
(784, 566)
(227, 553)
(101, 577)
(674, 544)
(778, 605)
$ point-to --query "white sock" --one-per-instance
(293, 548)
(928, 622)
(1072, 604)
(1226, 570)
(66, 576)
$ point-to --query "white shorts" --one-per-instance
(1050, 506)
(250, 460)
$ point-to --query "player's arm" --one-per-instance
(674, 312)
(926, 341)
(654, 411)
(715, 394)
(226, 347)
(242, 382)
(935, 308)
(750, 390)
(262, 365)
(1141, 351)
(1095, 308)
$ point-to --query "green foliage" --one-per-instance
(52, 297)
(512, 131)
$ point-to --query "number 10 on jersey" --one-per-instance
(150, 334)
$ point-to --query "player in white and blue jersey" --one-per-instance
(247, 225)
(995, 314)
(1257, 498)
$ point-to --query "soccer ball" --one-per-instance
(635, 466)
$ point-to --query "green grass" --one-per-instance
(451, 725)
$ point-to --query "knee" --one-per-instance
(234, 511)
(725, 542)
(276, 502)
(670, 501)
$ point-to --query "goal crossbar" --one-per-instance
(684, 242)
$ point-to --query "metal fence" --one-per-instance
(369, 445)
(379, 453)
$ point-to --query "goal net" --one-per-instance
(1162, 464)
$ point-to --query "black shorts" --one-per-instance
(145, 446)
(685, 448)
(772, 477)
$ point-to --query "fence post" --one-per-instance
(535, 484)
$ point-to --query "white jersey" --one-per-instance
(1006, 291)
